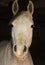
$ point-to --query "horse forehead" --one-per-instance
(23, 19)
(22, 24)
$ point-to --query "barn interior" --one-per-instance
(37, 48)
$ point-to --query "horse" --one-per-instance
(16, 51)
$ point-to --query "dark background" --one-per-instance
(38, 44)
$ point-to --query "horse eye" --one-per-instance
(11, 25)
(15, 48)
(24, 48)
(32, 26)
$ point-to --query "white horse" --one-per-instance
(17, 51)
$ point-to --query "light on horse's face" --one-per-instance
(22, 35)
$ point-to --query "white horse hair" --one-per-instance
(22, 33)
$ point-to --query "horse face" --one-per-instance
(22, 32)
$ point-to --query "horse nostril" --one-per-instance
(24, 48)
(15, 48)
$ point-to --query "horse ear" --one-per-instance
(15, 7)
(30, 7)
